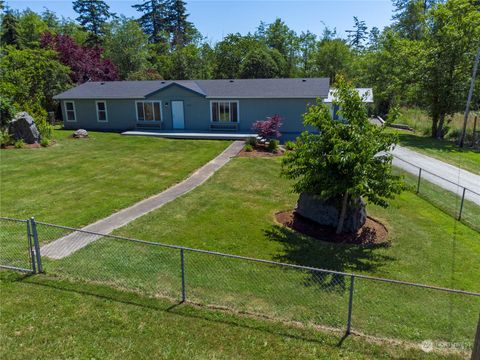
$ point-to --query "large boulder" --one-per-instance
(80, 133)
(327, 212)
(22, 127)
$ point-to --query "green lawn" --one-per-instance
(47, 319)
(233, 212)
(444, 150)
(76, 182)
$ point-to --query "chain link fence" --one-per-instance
(460, 202)
(292, 293)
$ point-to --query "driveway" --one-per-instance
(454, 177)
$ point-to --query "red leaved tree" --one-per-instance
(85, 62)
(268, 128)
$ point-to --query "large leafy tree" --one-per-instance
(449, 44)
(30, 78)
(126, 45)
(343, 161)
(30, 28)
(92, 16)
(229, 54)
(86, 63)
(332, 58)
(259, 64)
(9, 29)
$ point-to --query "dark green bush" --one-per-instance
(273, 145)
(5, 138)
(289, 145)
(252, 141)
(248, 148)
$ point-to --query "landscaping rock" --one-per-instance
(327, 212)
(22, 127)
(80, 133)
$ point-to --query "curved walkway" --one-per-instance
(67, 245)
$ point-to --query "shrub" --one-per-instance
(19, 144)
(44, 142)
(273, 145)
(248, 148)
(45, 130)
(5, 138)
(252, 141)
(268, 128)
(289, 145)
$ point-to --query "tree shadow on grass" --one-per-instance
(303, 250)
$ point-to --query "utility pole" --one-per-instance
(469, 98)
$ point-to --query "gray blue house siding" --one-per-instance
(256, 99)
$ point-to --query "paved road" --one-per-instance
(433, 167)
(67, 245)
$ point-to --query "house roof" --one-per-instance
(365, 93)
(236, 88)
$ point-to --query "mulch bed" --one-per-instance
(372, 233)
(260, 151)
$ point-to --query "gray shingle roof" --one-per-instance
(238, 88)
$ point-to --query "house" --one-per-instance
(365, 93)
(205, 106)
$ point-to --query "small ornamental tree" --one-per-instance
(269, 128)
(344, 161)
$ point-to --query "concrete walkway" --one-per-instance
(67, 245)
(455, 178)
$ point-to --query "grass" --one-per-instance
(64, 320)
(233, 212)
(76, 182)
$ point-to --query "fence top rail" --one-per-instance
(438, 176)
(269, 262)
(12, 219)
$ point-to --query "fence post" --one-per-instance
(461, 205)
(37, 245)
(182, 258)
(350, 304)
(30, 247)
(419, 178)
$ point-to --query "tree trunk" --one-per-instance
(343, 212)
(434, 125)
(441, 122)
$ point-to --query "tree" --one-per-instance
(358, 35)
(86, 63)
(259, 64)
(93, 15)
(30, 29)
(126, 45)
(30, 78)
(154, 19)
(145, 74)
(269, 128)
(230, 52)
(306, 42)
(373, 38)
(450, 43)
(182, 31)
(9, 29)
(409, 18)
(332, 58)
(344, 161)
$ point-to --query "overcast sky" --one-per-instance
(217, 18)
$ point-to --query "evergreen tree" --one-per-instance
(154, 20)
(9, 29)
(93, 14)
(358, 35)
(259, 64)
(180, 29)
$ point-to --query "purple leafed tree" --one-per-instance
(268, 128)
(86, 62)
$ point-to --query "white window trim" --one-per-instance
(106, 112)
(149, 101)
(66, 111)
(222, 122)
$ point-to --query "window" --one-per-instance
(70, 111)
(224, 111)
(149, 111)
(101, 111)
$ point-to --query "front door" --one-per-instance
(178, 115)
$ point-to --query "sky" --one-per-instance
(215, 19)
